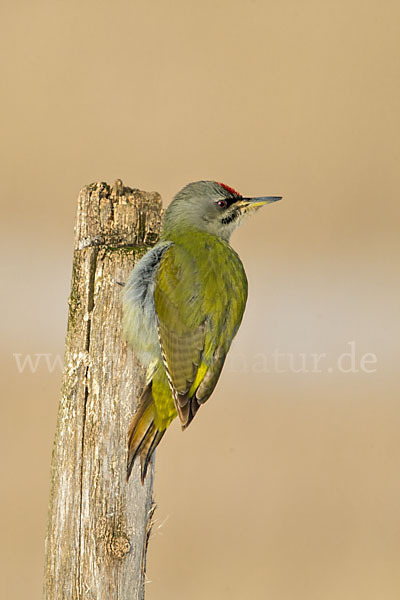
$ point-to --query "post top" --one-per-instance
(117, 216)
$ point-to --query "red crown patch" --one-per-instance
(229, 189)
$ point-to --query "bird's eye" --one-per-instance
(222, 203)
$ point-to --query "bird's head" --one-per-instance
(212, 207)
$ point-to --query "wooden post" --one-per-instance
(98, 524)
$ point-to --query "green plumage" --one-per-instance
(183, 305)
(200, 295)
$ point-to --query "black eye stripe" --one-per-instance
(229, 200)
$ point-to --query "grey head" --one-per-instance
(212, 207)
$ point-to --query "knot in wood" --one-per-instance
(119, 546)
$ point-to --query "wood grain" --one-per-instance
(98, 524)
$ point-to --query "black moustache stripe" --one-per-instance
(230, 218)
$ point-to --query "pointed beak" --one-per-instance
(247, 204)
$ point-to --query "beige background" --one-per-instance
(287, 484)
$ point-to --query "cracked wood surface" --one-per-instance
(98, 524)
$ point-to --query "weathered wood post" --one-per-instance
(98, 524)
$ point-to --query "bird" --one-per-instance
(182, 306)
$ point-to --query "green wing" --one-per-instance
(199, 300)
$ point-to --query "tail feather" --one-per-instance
(143, 435)
(154, 438)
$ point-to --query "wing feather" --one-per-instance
(195, 331)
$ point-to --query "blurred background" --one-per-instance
(287, 483)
